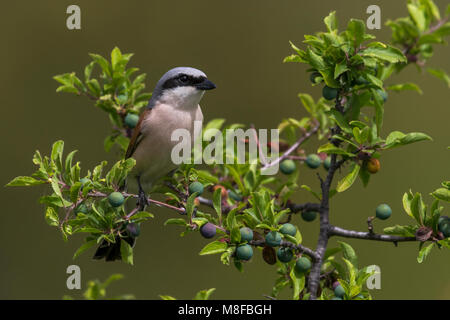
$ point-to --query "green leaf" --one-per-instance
(116, 57)
(349, 253)
(331, 22)
(374, 80)
(441, 74)
(356, 29)
(405, 86)
(424, 252)
(176, 221)
(442, 194)
(405, 231)
(204, 294)
(397, 138)
(165, 297)
(84, 247)
(388, 53)
(418, 16)
(348, 180)
(339, 69)
(24, 181)
(51, 217)
(315, 60)
(340, 120)
(417, 208)
(126, 251)
(329, 148)
(214, 247)
(298, 282)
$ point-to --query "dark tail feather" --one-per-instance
(111, 251)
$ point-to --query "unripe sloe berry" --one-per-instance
(116, 199)
(244, 252)
(313, 77)
(373, 165)
(444, 226)
(289, 229)
(285, 254)
(196, 187)
(313, 161)
(208, 230)
(383, 211)
(339, 291)
(273, 239)
(287, 166)
(327, 163)
(131, 120)
(309, 215)
(329, 93)
(134, 229)
(246, 234)
(303, 264)
(233, 195)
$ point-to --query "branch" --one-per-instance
(293, 147)
(308, 206)
(337, 231)
(307, 251)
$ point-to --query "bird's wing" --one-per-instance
(137, 134)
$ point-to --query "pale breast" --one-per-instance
(153, 154)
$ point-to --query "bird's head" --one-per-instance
(181, 87)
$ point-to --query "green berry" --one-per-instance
(313, 77)
(84, 181)
(313, 161)
(303, 264)
(327, 163)
(233, 195)
(81, 208)
(116, 199)
(285, 254)
(383, 94)
(309, 215)
(339, 291)
(287, 166)
(329, 93)
(289, 229)
(246, 234)
(196, 187)
(131, 120)
(383, 211)
(444, 226)
(244, 252)
(273, 239)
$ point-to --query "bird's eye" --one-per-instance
(184, 79)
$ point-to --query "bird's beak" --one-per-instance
(206, 85)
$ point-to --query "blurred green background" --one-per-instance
(240, 45)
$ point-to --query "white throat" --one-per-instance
(182, 97)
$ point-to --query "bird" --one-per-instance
(174, 105)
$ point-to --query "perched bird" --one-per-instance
(174, 105)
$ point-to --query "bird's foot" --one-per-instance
(142, 200)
